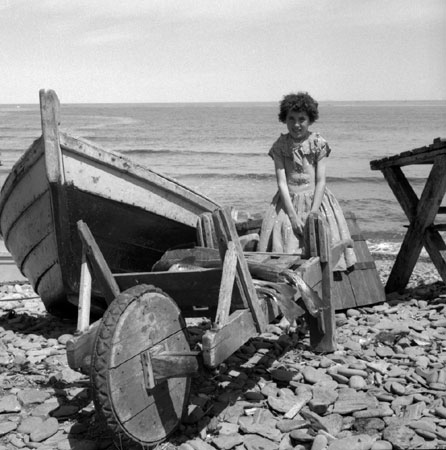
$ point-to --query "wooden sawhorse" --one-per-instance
(421, 212)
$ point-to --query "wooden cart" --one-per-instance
(138, 354)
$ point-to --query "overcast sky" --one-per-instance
(222, 50)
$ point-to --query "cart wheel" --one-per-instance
(141, 318)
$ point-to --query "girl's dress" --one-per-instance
(300, 163)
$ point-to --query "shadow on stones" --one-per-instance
(47, 326)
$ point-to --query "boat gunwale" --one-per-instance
(123, 164)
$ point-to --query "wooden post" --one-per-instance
(322, 328)
(83, 315)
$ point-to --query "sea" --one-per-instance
(220, 149)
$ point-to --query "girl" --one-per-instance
(300, 160)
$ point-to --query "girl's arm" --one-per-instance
(319, 188)
(285, 195)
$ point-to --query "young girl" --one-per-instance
(300, 160)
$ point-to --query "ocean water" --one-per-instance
(220, 149)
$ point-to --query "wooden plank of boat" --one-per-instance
(134, 213)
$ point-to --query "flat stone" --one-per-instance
(65, 411)
(198, 444)
(9, 404)
(381, 445)
(29, 424)
(285, 426)
(313, 376)
(359, 442)
(357, 382)
(322, 399)
(47, 429)
(30, 396)
(254, 442)
(6, 427)
(350, 400)
(440, 411)
(283, 403)
(261, 429)
(399, 436)
(301, 436)
(43, 410)
(229, 441)
(384, 352)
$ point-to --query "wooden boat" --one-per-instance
(134, 213)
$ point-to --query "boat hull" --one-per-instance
(134, 214)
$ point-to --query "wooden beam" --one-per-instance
(100, 268)
(226, 285)
(402, 190)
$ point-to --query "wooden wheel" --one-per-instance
(140, 321)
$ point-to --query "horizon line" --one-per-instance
(220, 102)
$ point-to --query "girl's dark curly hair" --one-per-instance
(301, 101)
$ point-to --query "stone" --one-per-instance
(381, 445)
(358, 442)
(350, 400)
(47, 429)
(357, 382)
(229, 441)
(320, 442)
(6, 427)
(287, 425)
(399, 436)
(29, 424)
(9, 404)
(254, 442)
(301, 436)
(30, 396)
(322, 398)
(313, 376)
(283, 403)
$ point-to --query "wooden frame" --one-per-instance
(421, 212)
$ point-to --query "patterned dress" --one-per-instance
(300, 163)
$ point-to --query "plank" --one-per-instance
(188, 288)
(207, 231)
(218, 345)
(342, 292)
(100, 268)
(226, 286)
(422, 155)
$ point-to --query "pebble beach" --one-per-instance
(384, 388)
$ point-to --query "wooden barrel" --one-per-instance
(362, 285)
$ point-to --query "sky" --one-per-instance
(102, 51)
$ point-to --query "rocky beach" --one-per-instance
(384, 388)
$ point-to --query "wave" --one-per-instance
(186, 152)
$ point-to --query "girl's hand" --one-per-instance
(297, 225)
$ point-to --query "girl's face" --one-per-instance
(298, 123)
